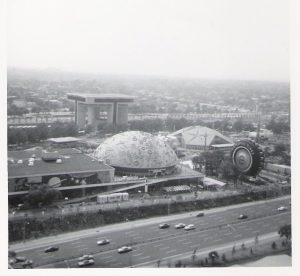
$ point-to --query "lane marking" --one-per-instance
(146, 257)
(171, 251)
(135, 255)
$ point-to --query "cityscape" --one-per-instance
(139, 170)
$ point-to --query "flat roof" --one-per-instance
(63, 140)
(98, 98)
(73, 161)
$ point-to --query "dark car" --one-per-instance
(200, 215)
(164, 225)
(242, 216)
(51, 249)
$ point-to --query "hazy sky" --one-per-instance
(237, 39)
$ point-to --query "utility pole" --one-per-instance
(258, 123)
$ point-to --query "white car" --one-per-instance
(190, 227)
(86, 262)
(124, 249)
(179, 225)
(103, 242)
(86, 257)
(282, 208)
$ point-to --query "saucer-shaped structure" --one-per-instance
(137, 153)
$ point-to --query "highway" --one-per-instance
(150, 243)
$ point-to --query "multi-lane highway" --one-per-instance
(150, 243)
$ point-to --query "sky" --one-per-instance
(221, 39)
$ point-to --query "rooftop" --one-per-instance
(95, 98)
(63, 140)
(73, 161)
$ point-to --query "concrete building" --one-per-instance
(92, 109)
(64, 167)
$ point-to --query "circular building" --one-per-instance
(137, 153)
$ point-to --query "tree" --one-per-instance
(285, 231)
(41, 195)
(213, 255)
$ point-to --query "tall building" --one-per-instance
(93, 109)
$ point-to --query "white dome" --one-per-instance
(136, 149)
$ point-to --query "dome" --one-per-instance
(136, 150)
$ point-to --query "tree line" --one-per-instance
(40, 132)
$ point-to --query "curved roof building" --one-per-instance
(136, 152)
(199, 137)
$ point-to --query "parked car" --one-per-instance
(124, 249)
(282, 208)
(51, 249)
(179, 225)
(103, 242)
(85, 257)
(200, 214)
(86, 262)
(242, 216)
(164, 225)
(190, 227)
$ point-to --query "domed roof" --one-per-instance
(136, 149)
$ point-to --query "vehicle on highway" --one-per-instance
(86, 262)
(20, 259)
(103, 242)
(164, 225)
(28, 263)
(282, 208)
(86, 257)
(242, 216)
(200, 215)
(51, 249)
(179, 225)
(124, 249)
(190, 227)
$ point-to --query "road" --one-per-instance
(151, 243)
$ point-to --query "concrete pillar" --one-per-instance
(122, 114)
(146, 188)
(91, 115)
(110, 115)
(80, 115)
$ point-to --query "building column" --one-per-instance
(91, 116)
(80, 115)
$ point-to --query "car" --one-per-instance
(200, 215)
(51, 249)
(190, 227)
(282, 208)
(20, 259)
(179, 225)
(242, 216)
(164, 225)
(124, 249)
(86, 262)
(85, 257)
(103, 242)
(28, 263)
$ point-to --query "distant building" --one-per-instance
(92, 109)
(201, 138)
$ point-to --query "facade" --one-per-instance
(92, 109)
(137, 153)
(62, 167)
